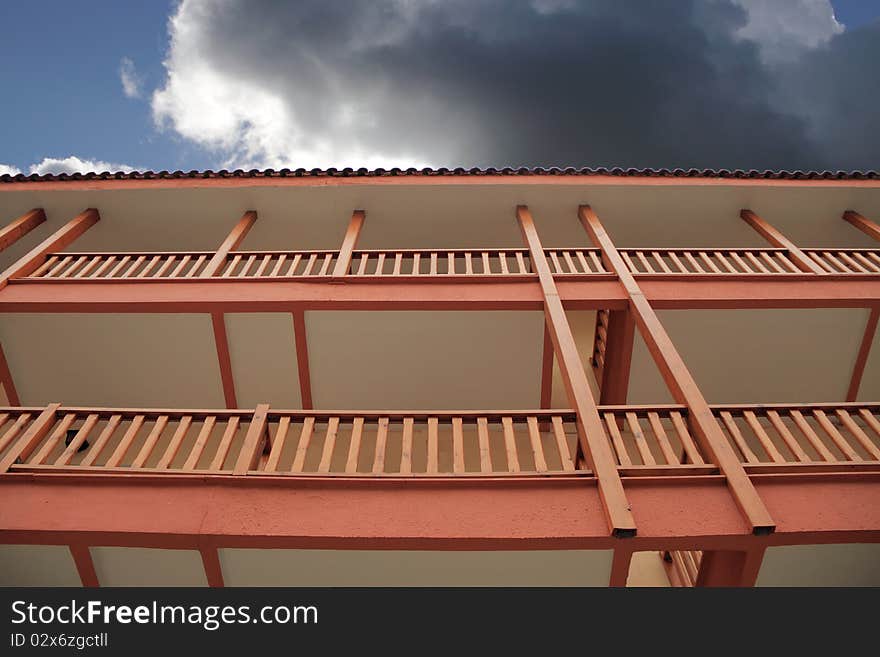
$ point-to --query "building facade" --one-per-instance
(484, 377)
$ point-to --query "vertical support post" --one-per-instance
(620, 565)
(614, 385)
(211, 563)
(60, 239)
(218, 320)
(777, 239)
(680, 382)
(343, 262)
(236, 236)
(591, 431)
(30, 438)
(82, 557)
(862, 358)
(730, 567)
(864, 224)
(547, 370)
(6, 380)
(253, 441)
(18, 228)
(302, 359)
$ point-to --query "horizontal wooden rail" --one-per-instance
(651, 440)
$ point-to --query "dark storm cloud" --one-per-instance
(502, 82)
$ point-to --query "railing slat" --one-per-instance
(406, 448)
(562, 444)
(278, 444)
(381, 445)
(302, 447)
(457, 446)
(483, 438)
(662, 439)
(201, 442)
(175, 443)
(354, 447)
(510, 444)
(126, 442)
(639, 437)
(812, 437)
(329, 444)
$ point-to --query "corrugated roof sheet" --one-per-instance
(443, 171)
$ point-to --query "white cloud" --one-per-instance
(74, 164)
(8, 168)
(783, 30)
(251, 124)
(131, 81)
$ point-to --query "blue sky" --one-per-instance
(60, 72)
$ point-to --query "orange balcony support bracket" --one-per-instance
(59, 240)
(349, 242)
(236, 236)
(680, 382)
(614, 385)
(862, 358)
(591, 432)
(774, 237)
(30, 438)
(730, 567)
(18, 228)
(211, 563)
(254, 441)
(6, 380)
(82, 558)
(218, 320)
(863, 224)
(302, 358)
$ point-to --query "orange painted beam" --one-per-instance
(18, 228)
(221, 341)
(233, 239)
(864, 224)
(221, 295)
(852, 392)
(58, 241)
(776, 238)
(618, 358)
(6, 380)
(524, 514)
(681, 384)
(591, 432)
(302, 359)
(349, 242)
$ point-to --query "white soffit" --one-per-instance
(251, 567)
(124, 566)
(851, 564)
(37, 565)
(442, 216)
(263, 354)
(767, 355)
(121, 360)
(425, 360)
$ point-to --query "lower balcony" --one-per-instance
(645, 440)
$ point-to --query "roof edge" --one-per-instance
(741, 174)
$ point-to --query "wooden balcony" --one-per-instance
(645, 441)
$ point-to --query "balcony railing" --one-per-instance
(645, 440)
(848, 261)
(742, 262)
(803, 434)
(314, 264)
(446, 263)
